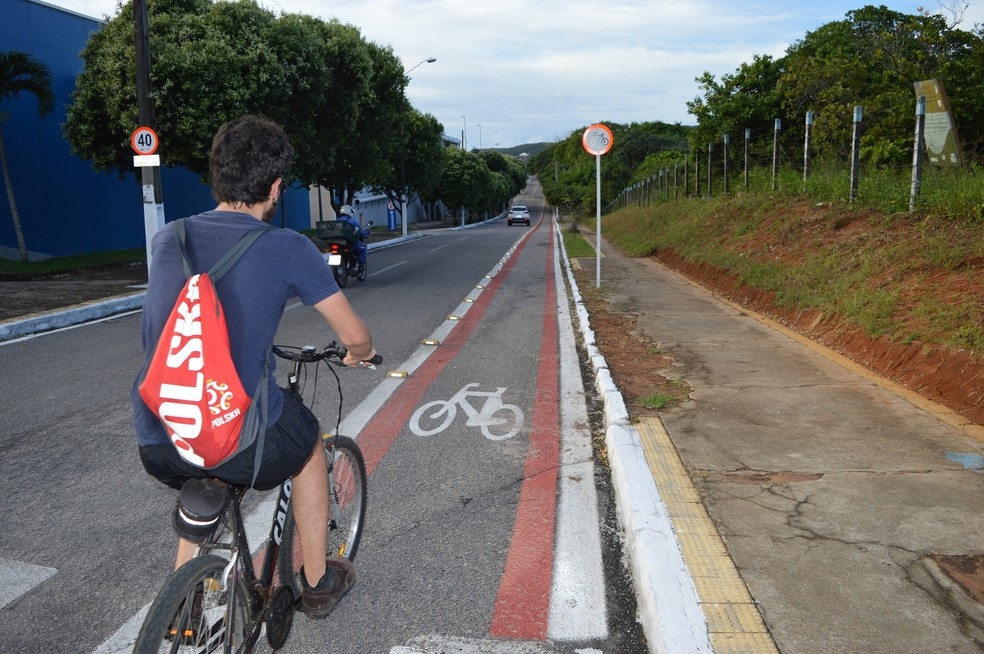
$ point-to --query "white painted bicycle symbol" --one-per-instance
(498, 421)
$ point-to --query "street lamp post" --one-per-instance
(428, 60)
(403, 181)
(464, 133)
(479, 136)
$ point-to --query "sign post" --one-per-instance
(597, 140)
(144, 142)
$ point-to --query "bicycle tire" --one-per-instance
(345, 530)
(169, 616)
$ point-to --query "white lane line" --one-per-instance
(577, 597)
(387, 268)
(451, 645)
(17, 577)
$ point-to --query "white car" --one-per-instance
(518, 214)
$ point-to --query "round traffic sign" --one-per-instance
(144, 140)
(597, 139)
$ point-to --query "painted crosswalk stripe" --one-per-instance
(16, 578)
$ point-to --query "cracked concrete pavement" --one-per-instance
(830, 490)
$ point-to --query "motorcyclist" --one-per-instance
(359, 246)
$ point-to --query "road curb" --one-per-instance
(669, 610)
(61, 318)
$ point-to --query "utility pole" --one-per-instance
(153, 201)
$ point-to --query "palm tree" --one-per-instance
(19, 72)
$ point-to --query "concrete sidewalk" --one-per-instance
(805, 497)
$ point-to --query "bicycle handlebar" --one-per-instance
(333, 353)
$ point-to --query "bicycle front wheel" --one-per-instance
(347, 510)
(194, 613)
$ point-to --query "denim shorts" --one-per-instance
(286, 447)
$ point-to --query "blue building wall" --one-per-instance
(65, 206)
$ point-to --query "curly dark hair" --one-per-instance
(248, 155)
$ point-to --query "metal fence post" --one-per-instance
(806, 145)
(917, 152)
(748, 138)
(775, 154)
(710, 175)
(855, 154)
(726, 164)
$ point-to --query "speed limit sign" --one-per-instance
(144, 140)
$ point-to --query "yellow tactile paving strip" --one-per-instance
(733, 620)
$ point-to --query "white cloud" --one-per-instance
(536, 71)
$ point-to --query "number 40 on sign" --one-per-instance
(144, 142)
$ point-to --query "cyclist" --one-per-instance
(247, 163)
(346, 213)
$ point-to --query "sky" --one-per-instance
(512, 72)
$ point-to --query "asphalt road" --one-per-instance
(471, 541)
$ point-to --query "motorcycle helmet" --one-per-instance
(346, 210)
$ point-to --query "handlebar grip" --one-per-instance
(376, 360)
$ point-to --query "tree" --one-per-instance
(415, 162)
(871, 59)
(464, 179)
(377, 131)
(21, 73)
(215, 61)
(746, 99)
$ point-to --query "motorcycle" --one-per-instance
(339, 239)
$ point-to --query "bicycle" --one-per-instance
(216, 602)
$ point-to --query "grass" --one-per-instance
(57, 265)
(908, 276)
(576, 245)
(656, 401)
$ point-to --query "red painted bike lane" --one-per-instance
(523, 603)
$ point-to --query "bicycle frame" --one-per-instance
(239, 548)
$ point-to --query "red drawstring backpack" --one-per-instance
(190, 381)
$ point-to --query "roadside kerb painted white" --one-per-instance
(669, 610)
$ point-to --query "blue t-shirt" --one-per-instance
(281, 264)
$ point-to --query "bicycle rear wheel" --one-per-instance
(347, 502)
(194, 613)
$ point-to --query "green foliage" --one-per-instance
(464, 177)
(416, 161)
(870, 59)
(340, 98)
(22, 73)
(567, 172)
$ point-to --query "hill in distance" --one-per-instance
(529, 148)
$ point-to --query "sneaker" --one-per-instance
(319, 601)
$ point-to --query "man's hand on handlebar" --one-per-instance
(369, 362)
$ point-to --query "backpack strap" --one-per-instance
(251, 423)
(227, 261)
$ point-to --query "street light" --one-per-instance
(464, 133)
(403, 191)
(428, 60)
(479, 136)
